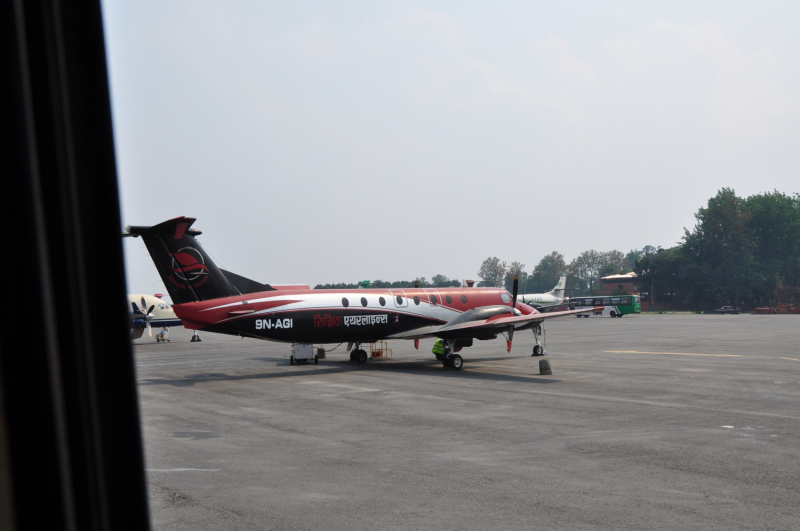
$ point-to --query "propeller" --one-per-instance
(145, 315)
(514, 291)
(147, 320)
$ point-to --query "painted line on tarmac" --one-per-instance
(793, 359)
(673, 353)
(183, 469)
(647, 403)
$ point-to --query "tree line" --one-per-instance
(436, 281)
(737, 252)
(583, 272)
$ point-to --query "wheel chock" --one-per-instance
(544, 367)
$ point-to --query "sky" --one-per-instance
(317, 142)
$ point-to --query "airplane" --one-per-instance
(554, 297)
(150, 310)
(209, 298)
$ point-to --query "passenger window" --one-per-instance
(364, 302)
(345, 302)
(433, 299)
(399, 299)
(615, 301)
(416, 300)
(382, 301)
(448, 299)
(464, 299)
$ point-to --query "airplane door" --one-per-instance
(399, 297)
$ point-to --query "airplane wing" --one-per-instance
(498, 324)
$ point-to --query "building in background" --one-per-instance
(627, 284)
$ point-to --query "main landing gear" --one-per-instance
(450, 358)
(357, 354)
(195, 338)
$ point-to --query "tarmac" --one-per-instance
(648, 422)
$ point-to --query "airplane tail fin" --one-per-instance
(187, 270)
(558, 291)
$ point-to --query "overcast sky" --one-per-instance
(335, 142)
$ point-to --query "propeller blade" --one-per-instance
(150, 310)
(149, 330)
(510, 337)
(515, 289)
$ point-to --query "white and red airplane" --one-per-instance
(208, 298)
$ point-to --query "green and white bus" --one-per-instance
(614, 306)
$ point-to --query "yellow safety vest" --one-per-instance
(438, 347)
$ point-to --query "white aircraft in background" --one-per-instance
(546, 300)
(147, 311)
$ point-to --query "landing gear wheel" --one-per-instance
(316, 360)
(353, 355)
(446, 363)
(291, 360)
(456, 362)
(537, 350)
(361, 356)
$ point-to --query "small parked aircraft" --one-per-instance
(554, 297)
(147, 311)
(207, 297)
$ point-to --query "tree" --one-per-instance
(636, 254)
(586, 268)
(662, 274)
(516, 268)
(775, 230)
(720, 249)
(441, 281)
(546, 273)
(493, 271)
(613, 263)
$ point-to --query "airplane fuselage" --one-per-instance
(328, 316)
(540, 298)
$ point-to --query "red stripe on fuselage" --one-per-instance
(216, 310)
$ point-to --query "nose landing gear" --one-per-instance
(539, 335)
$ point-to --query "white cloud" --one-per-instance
(557, 52)
(744, 100)
(421, 26)
(628, 54)
(313, 44)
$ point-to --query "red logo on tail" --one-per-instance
(188, 264)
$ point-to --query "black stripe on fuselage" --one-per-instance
(324, 325)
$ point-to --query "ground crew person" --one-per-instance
(439, 349)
